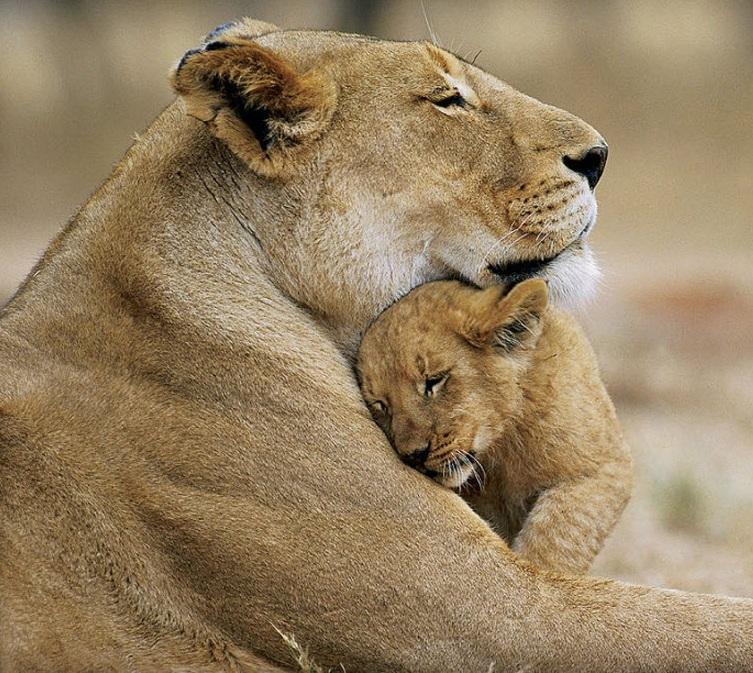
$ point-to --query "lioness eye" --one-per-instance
(452, 98)
(378, 407)
(434, 383)
(455, 99)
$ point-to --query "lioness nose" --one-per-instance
(417, 458)
(590, 164)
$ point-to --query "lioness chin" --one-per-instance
(186, 462)
(492, 386)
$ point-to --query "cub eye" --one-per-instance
(433, 384)
(378, 407)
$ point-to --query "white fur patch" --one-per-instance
(459, 475)
(573, 277)
(482, 440)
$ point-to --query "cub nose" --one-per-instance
(416, 459)
(590, 164)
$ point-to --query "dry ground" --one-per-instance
(677, 356)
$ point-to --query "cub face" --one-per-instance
(440, 371)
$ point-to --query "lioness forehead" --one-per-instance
(341, 51)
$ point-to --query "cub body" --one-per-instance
(496, 395)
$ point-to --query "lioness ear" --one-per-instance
(507, 321)
(254, 100)
(245, 28)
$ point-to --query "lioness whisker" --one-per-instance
(429, 27)
(501, 240)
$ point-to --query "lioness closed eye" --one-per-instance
(481, 386)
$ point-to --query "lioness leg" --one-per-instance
(434, 589)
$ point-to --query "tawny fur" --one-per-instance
(506, 396)
(186, 462)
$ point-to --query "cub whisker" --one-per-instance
(478, 474)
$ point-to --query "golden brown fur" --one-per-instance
(491, 386)
(186, 461)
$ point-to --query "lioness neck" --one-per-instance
(162, 247)
(162, 268)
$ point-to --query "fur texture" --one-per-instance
(492, 394)
(186, 462)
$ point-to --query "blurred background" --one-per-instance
(670, 85)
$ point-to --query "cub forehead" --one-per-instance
(424, 313)
(400, 349)
(418, 314)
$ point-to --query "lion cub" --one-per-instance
(497, 390)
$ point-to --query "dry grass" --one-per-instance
(301, 658)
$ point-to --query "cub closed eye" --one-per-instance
(433, 384)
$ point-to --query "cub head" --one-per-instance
(368, 167)
(440, 371)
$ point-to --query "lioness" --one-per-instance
(492, 385)
(186, 461)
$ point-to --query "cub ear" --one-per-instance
(507, 321)
(254, 100)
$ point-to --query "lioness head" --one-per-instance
(371, 167)
(440, 371)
